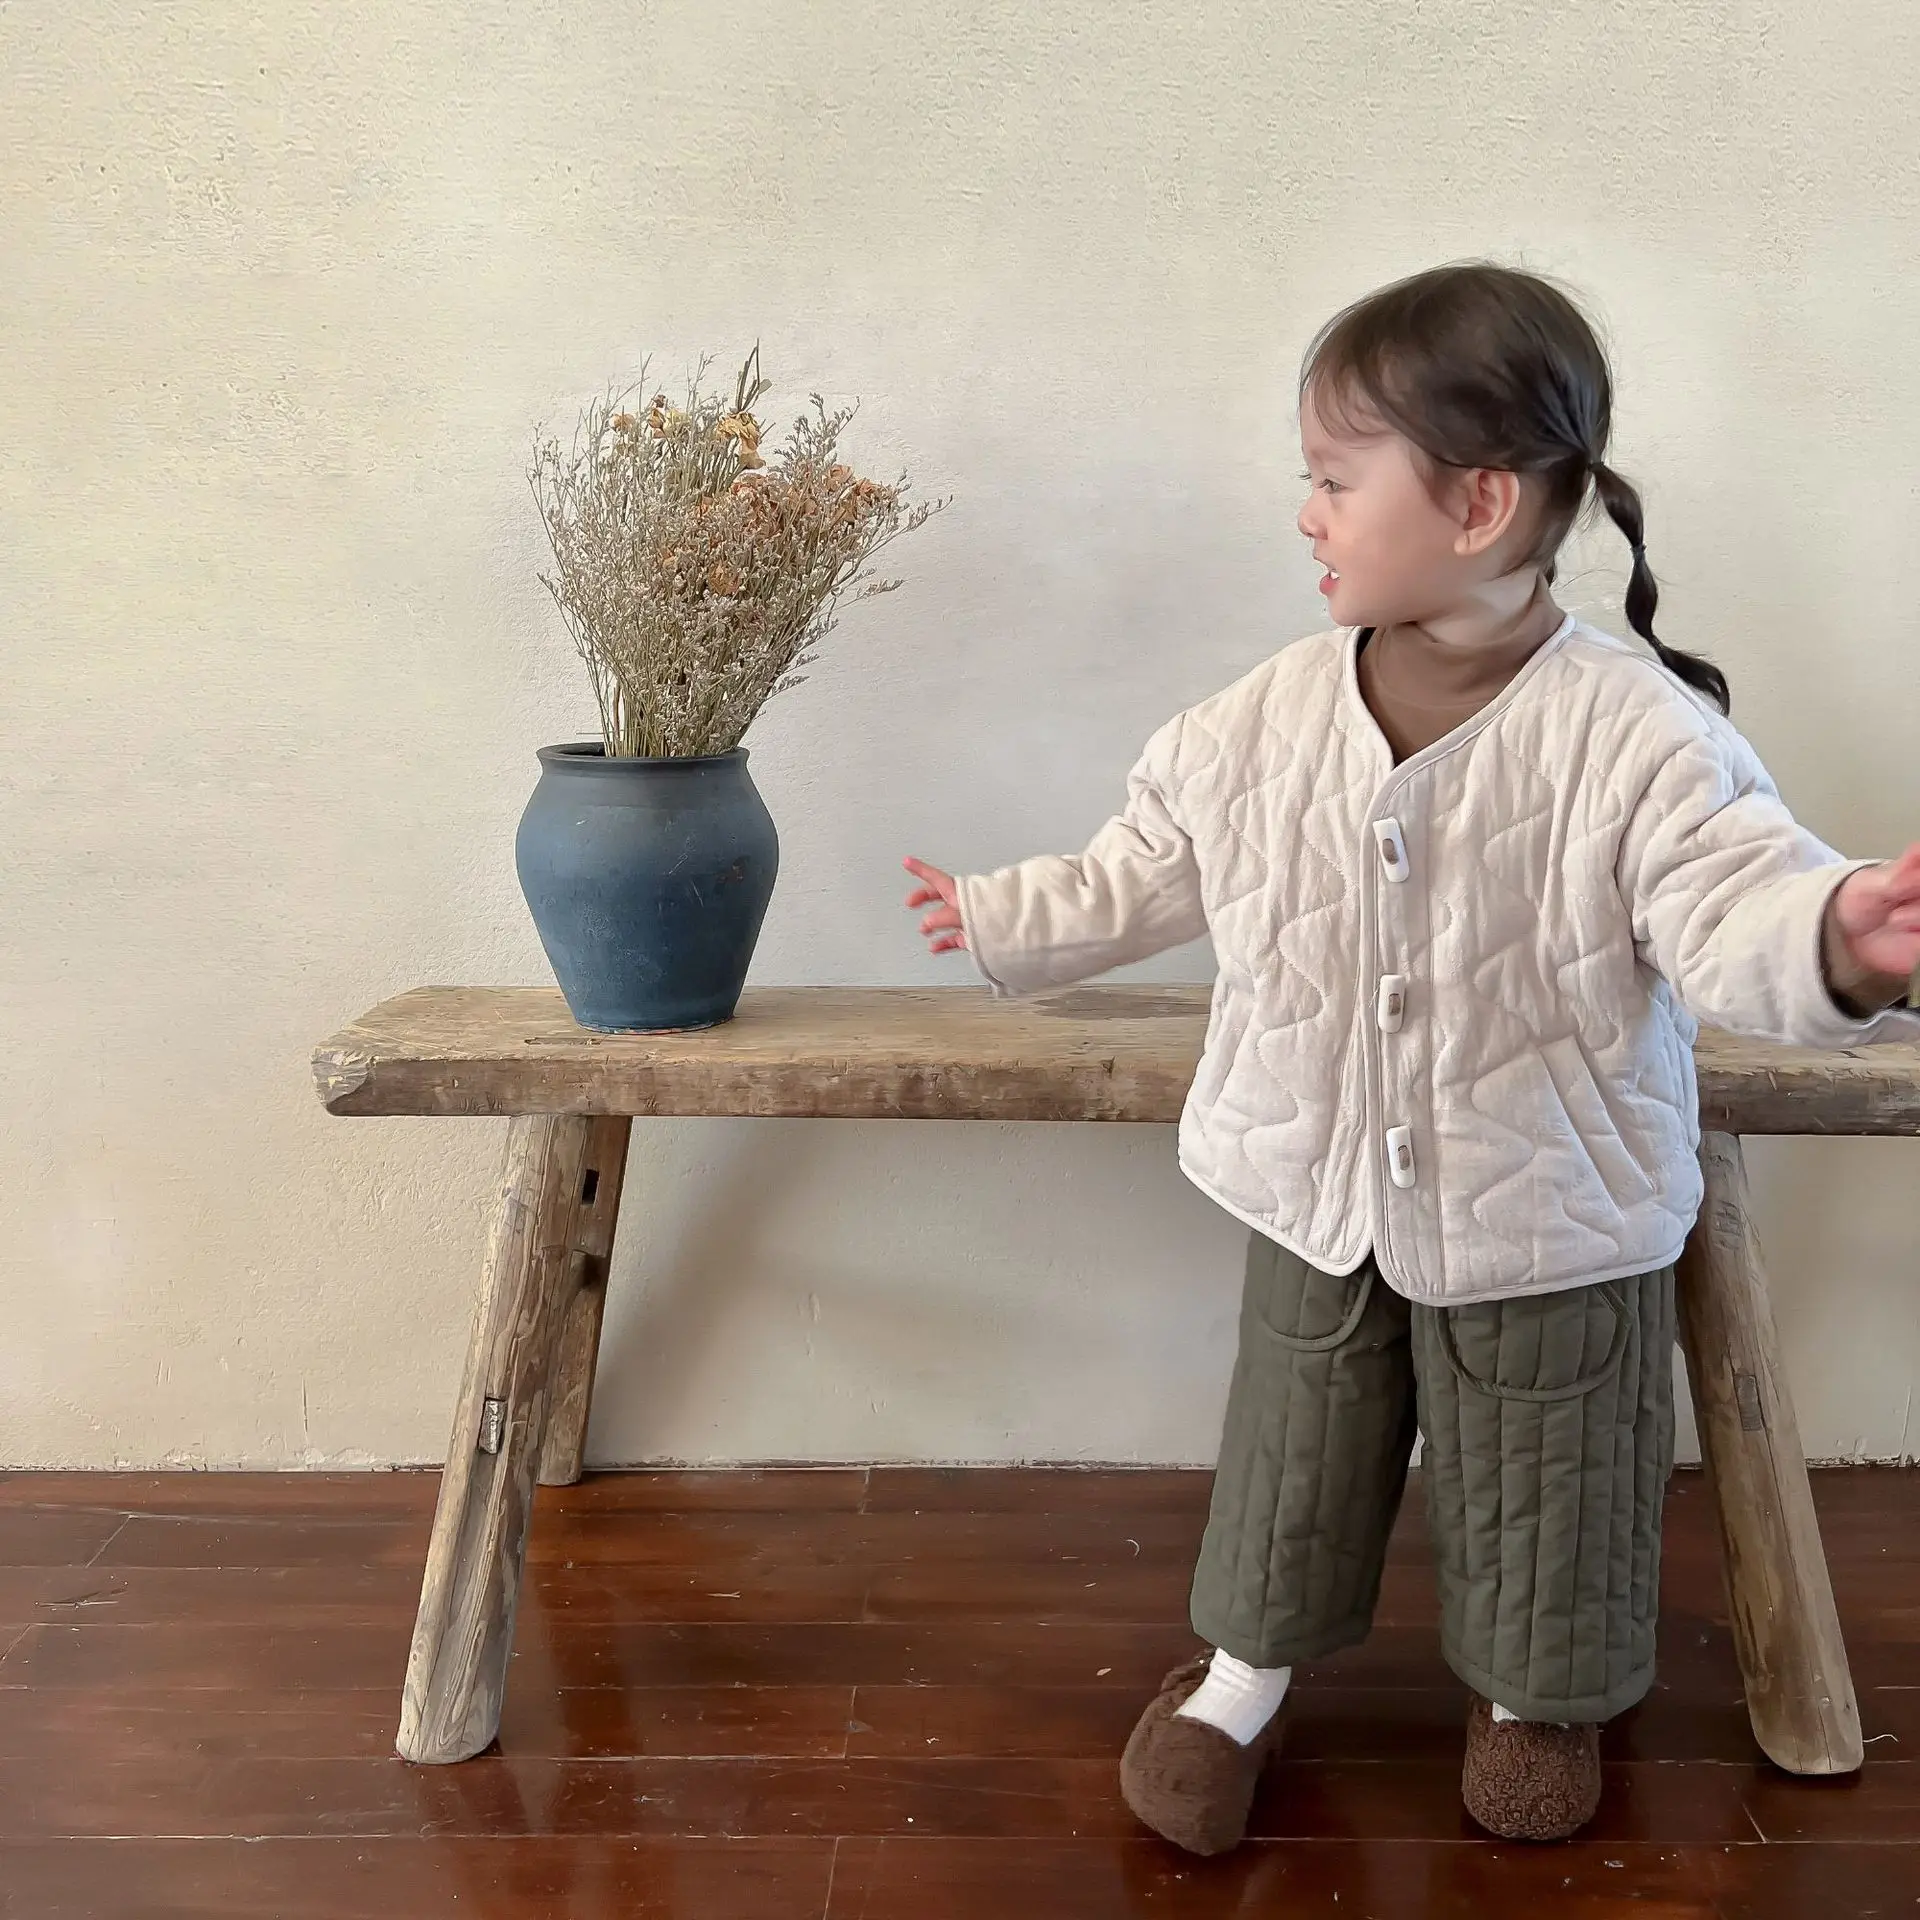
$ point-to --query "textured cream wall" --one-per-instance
(285, 291)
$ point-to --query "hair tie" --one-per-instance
(1638, 548)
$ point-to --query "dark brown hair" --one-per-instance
(1484, 366)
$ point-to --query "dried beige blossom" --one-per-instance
(695, 577)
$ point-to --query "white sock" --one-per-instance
(1501, 1716)
(1237, 1698)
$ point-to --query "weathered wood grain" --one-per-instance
(562, 1455)
(809, 1052)
(457, 1667)
(1095, 1053)
(1785, 1627)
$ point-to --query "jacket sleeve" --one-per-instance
(1059, 918)
(1728, 894)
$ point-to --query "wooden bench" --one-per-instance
(1100, 1053)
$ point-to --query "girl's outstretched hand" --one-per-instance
(1878, 910)
(941, 926)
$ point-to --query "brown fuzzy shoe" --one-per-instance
(1524, 1780)
(1187, 1780)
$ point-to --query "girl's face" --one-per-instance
(1395, 549)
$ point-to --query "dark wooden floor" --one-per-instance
(894, 1695)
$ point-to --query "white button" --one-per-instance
(1400, 1156)
(1392, 1006)
(1393, 849)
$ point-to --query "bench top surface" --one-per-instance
(951, 1053)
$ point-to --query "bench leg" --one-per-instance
(1785, 1627)
(539, 1253)
(563, 1456)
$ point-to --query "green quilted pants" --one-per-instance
(1549, 1440)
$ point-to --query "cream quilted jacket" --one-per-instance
(1456, 998)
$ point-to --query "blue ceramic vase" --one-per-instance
(647, 881)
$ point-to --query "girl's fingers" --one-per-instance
(1900, 877)
(1873, 897)
(1893, 903)
(937, 886)
(943, 928)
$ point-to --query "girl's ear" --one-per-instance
(1486, 505)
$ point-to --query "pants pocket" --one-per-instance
(1538, 1349)
(1549, 1426)
(1298, 1306)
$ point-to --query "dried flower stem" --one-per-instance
(697, 579)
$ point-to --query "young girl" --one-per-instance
(1473, 870)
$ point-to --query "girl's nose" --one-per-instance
(1308, 519)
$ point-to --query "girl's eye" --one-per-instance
(1332, 486)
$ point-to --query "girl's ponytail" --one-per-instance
(1643, 596)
